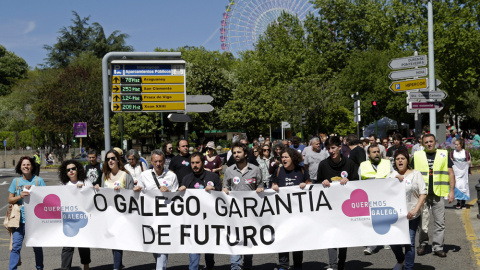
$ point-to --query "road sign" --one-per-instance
(177, 117)
(437, 105)
(407, 85)
(422, 95)
(4, 143)
(80, 130)
(148, 85)
(408, 62)
(199, 108)
(408, 73)
(199, 99)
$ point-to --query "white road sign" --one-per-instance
(437, 95)
(408, 62)
(408, 73)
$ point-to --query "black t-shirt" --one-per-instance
(358, 155)
(430, 160)
(391, 151)
(202, 180)
(180, 165)
(331, 171)
(94, 174)
(288, 178)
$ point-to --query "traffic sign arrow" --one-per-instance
(438, 95)
(116, 98)
(407, 85)
(116, 107)
(116, 89)
(199, 99)
(199, 108)
(408, 62)
(116, 79)
(408, 73)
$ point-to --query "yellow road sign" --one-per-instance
(409, 85)
(116, 88)
(163, 97)
(162, 79)
(117, 107)
(116, 98)
(116, 79)
(163, 88)
(165, 106)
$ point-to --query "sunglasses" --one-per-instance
(171, 148)
(71, 169)
(110, 158)
(265, 150)
(255, 151)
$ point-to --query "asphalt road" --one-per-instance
(460, 248)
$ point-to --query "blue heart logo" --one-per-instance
(73, 222)
(383, 218)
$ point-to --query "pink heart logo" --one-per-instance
(357, 205)
(50, 208)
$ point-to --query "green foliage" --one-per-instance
(12, 68)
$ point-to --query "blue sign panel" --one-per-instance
(156, 69)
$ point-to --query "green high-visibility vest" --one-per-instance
(368, 172)
(441, 179)
(38, 160)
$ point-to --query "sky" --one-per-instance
(26, 26)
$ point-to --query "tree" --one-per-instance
(12, 68)
(81, 37)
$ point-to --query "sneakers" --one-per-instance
(398, 266)
(458, 206)
(386, 247)
(367, 251)
(329, 268)
(464, 207)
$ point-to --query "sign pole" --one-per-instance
(431, 69)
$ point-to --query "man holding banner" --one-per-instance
(337, 167)
(242, 176)
(161, 179)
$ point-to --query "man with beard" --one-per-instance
(200, 179)
(180, 164)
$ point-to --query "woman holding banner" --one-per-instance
(72, 173)
(290, 174)
(461, 168)
(416, 193)
(19, 189)
(116, 177)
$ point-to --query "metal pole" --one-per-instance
(161, 115)
(431, 67)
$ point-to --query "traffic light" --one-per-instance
(304, 119)
(375, 109)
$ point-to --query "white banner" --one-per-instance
(361, 213)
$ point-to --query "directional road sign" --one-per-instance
(199, 108)
(423, 95)
(199, 99)
(408, 73)
(426, 105)
(407, 85)
(148, 85)
(408, 62)
(177, 117)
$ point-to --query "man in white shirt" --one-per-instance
(161, 179)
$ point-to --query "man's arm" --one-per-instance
(451, 194)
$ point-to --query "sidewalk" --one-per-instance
(471, 219)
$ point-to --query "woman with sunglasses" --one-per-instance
(135, 166)
(116, 177)
(72, 173)
(19, 189)
(264, 161)
(213, 162)
(416, 192)
(167, 149)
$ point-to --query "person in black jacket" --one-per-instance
(336, 167)
(180, 164)
(357, 153)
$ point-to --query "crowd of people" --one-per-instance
(429, 175)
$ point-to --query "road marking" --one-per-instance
(4, 207)
(5, 239)
(4, 183)
(471, 236)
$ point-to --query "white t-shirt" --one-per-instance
(85, 183)
(137, 171)
(414, 187)
(167, 178)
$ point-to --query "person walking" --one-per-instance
(462, 161)
(213, 163)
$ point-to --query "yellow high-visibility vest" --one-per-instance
(38, 160)
(368, 172)
(441, 179)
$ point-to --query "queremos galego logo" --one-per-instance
(51, 210)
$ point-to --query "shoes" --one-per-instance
(464, 207)
(421, 250)
(457, 206)
(398, 266)
(386, 247)
(440, 253)
(367, 251)
(329, 268)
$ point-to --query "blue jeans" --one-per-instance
(409, 256)
(195, 261)
(117, 258)
(236, 262)
(160, 261)
(17, 242)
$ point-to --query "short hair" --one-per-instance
(243, 138)
(428, 135)
(296, 139)
(92, 152)
(63, 175)
(18, 168)
(314, 139)
(198, 154)
(333, 140)
(241, 145)
(157, 152)
(397, 136)
(461, 142)
(373, 135)
(372, 146)
(178, 145)
(294, 155)
(134, 153)
(352, 139)
(403, 152)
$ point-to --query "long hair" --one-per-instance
(63, 175)
(106, 168)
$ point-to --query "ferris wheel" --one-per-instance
(244, 21)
